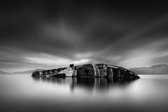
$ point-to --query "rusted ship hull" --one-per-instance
(89, 70)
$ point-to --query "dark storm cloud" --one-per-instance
(48, 32)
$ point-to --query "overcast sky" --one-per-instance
(53, 34)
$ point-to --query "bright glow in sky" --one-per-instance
(54, 60)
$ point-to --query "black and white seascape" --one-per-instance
(83, 56)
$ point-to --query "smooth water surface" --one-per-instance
(23, 93)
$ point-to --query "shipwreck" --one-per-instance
(88, 70)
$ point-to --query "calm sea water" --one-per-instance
(23, 93)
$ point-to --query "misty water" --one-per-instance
(23, 93)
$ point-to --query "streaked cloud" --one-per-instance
(52, 34)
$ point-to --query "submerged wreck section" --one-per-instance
(88, 70)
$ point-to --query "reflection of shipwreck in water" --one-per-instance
(87, 83)
(88, 70)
